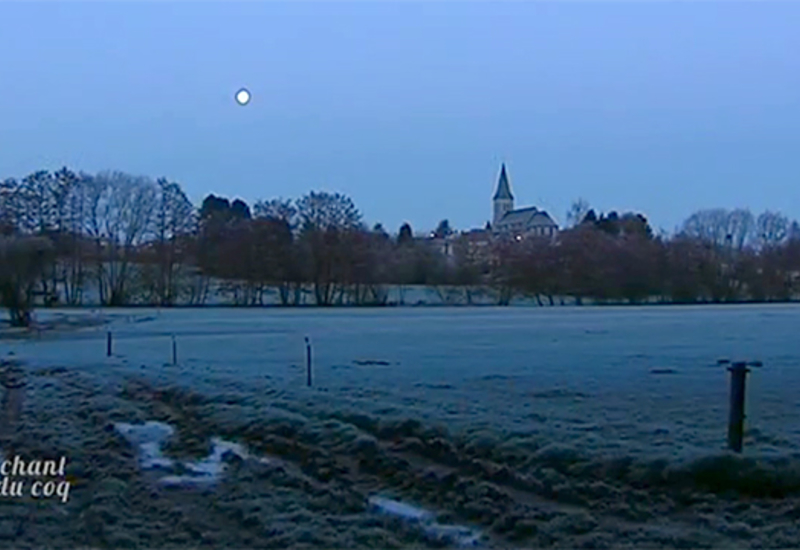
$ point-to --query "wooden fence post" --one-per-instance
(308, 362)
(736, 416)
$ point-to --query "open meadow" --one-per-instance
(525, 427)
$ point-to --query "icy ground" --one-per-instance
(617, 380)
(604, 410)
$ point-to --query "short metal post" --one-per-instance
(174, 351)
(308, 362)
(12, 378)
(108, 344)
(739, 372)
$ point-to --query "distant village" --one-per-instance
(507, 222)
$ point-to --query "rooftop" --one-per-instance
(503, 189)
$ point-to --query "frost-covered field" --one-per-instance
(603, 413)
(580, 375)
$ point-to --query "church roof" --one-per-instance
(520, 215)
(529, 217)
(542, 218)
(503, 189)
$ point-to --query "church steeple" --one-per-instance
(503, 189)
(503, 200)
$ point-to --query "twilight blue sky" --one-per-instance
(409, 107)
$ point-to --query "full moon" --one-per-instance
(243, 97)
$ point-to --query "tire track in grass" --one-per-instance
(113, 505)
(586, 508)
(313, 469)
(544, 508)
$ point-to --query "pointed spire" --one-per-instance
(503, 189)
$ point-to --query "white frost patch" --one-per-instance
(400, 509)
(453, 534)
(151, 436)
(448, 534)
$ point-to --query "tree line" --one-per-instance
(128, 240)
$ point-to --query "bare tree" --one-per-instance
(22, 260)
(324, 218)
(367, 260)
(469, 266)
(709, 225)
(739, 228)
(174, 222)
(279, 209)
(505, 269)
(577, 212)
(794, 231)
(120, 219)
(8, 203)
(72, 245)
(277, 222)
(402, 262)
(732, 229)
(321, 211)
(772, 228)
(37, 212)
(535, 269)
(30, 208)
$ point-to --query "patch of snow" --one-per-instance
(447, 534)
(151, 457)
(400, 509)
(151, 436)
(187, 480)
(453, 534)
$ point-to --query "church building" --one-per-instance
(520, 222)
(506, 223)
